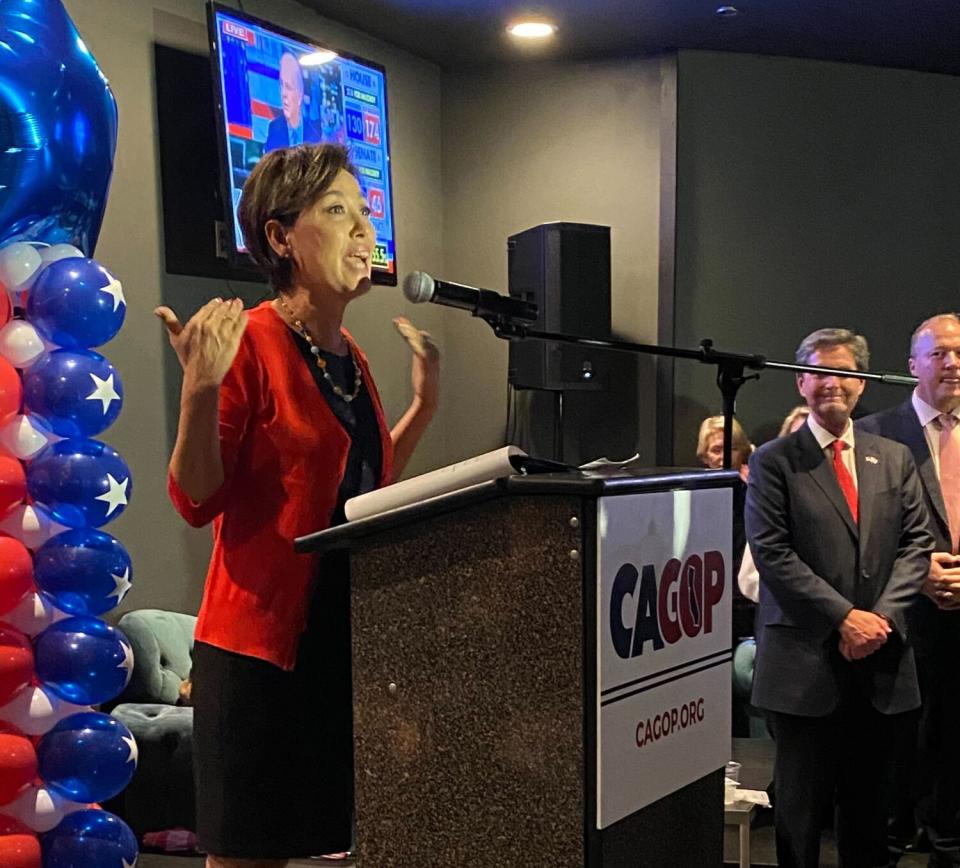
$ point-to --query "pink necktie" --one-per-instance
(950, 472)
(845, 479)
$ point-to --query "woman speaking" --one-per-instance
(281, 423)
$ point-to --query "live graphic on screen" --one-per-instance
(277, 90)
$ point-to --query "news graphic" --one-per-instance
(279, 91)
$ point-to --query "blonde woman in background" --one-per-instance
(710, 445)
(794, 419)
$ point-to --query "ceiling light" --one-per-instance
(727, 11)
(318, 58)
(532, 29)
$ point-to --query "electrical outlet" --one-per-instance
(221, 234)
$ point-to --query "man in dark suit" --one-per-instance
(925, 423)
(290, 127)
(838, 531)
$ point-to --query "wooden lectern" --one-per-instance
(528, 659)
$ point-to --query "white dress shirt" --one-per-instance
(748, 579)
(825, 438)
(927, 414)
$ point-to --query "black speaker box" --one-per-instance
(564, 268)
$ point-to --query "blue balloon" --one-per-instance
(76, 303)
(83, 660)
(87, 757)
(89, 839)
(58, 128)
(76, 393)
(83, 571)
(83, 483)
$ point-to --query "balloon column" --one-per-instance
(58, 485)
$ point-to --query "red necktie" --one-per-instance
(950, 472)
(844, 478)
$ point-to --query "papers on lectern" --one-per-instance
(454, 477)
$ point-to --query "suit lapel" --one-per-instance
(912, 436)
(815, 463)
(867, 459)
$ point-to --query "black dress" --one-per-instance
(273, 751)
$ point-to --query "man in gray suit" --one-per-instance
(839, 535)
(925, 424)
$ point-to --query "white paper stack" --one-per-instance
(454, 477)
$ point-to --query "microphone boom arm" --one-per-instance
(731, 367)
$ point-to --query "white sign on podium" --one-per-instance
(664, 592)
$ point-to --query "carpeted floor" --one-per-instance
(756, 758)
(756, 772)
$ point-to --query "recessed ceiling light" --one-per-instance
(318, 58)
(532, 29)
(727, 11)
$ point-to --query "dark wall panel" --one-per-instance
(808, 194)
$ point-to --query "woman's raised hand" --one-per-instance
(207, 345)
(425, 371)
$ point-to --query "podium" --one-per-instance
(541, 671)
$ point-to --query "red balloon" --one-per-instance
(16, 663)
(6, 306)
(19, 847)
(11, 387)
(18, 764)
(12, 826)
(13, 479)
(16, 572)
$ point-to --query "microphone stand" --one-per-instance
(731, 367)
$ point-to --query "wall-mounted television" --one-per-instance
(274, 88)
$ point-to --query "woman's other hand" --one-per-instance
(207, 345)
(425, 368)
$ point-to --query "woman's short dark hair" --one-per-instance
(281, 186)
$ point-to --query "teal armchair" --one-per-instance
(161, 793)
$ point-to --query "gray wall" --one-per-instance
(535, 143)
(169, 558)
(809, 194)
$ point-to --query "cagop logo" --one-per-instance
(679, 603)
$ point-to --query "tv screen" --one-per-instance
(275, 88)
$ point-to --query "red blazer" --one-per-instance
(284, 455)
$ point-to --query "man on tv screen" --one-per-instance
(291, 127)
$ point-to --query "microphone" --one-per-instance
(418, 286)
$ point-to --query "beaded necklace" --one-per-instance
(322, 362)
